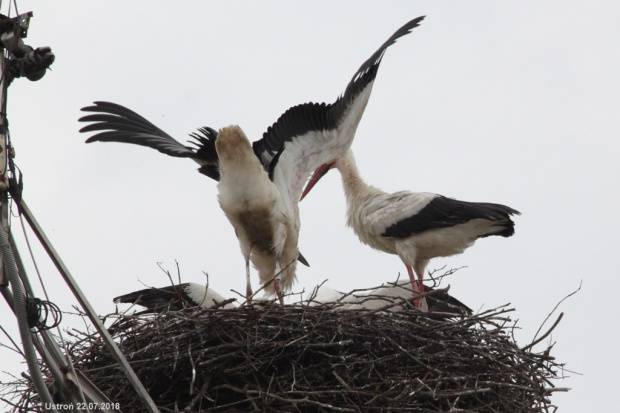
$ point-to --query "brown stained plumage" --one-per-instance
(234, 146)
(257, 224)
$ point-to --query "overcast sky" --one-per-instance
(485, 101)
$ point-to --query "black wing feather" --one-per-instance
(116, 123)
(445, 303)
(204, 141)
(158, 299)
(443, 212)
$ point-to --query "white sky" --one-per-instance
(485, 101)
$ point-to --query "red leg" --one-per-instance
(418, 287)
(276, 285)
(276, 282)
(248, 285)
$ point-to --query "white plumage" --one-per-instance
(416, 226)
(390, 296)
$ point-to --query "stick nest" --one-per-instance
(298, 358)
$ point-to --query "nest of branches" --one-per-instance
(274, 358)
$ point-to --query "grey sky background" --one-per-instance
(485, 101)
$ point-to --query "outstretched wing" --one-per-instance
(309, 135)
(116, 123)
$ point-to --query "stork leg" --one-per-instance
(418, 287)
(248, 283)
(277, 280)
(246, 251)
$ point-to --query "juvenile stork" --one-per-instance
(175, 297)
(416, 226)
(266, 225)
(273, 168)
(385, 296)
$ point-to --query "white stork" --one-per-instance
(416, 226)
(175, 297)
(303, 138)
(383, 296)
(266, 225)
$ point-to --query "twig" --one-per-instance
(533, 343)
(555, 308)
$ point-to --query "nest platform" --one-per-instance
(299, 358)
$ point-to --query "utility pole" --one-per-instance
(17, 60)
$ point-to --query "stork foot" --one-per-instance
(276, 285)
(248, 294)
(418, 288)
(420, 304)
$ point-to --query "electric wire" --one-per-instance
(58, 329)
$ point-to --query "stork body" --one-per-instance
(390, 295)
(416, 226)
(175, 297)
(266, 225)
(305, 137)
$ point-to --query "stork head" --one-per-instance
(345, 163)
(316, 177)
(232, 144)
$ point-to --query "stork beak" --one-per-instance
(316, 176)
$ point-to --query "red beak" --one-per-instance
(316, 176)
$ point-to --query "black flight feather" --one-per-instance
(443, 212)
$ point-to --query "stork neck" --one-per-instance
(244, 166)
(355, 189)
